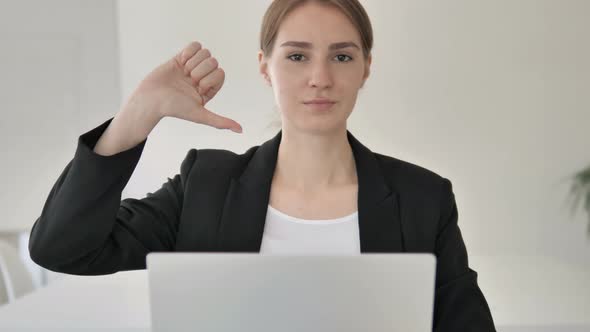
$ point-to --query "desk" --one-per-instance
(117, 302)
(523, 292)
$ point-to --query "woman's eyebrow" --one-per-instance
(334, 46)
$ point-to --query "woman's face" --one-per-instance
(317, 57)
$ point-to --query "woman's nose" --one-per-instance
(320, 76)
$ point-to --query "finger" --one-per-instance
(193, 62)
(221, 122)
(203, 69)
(188, 52)
(211, 84)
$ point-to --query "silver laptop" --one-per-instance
(249, 292)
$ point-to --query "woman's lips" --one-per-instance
(320, 104)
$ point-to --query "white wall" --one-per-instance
(491, 94)
(60, 76)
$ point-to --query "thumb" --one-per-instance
(220, 122)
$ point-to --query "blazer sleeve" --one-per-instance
(86, 229)
(459, 303)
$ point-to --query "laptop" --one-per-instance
(250, 292)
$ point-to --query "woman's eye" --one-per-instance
(343, 58)
(295, 57)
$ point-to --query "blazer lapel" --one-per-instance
(379, 216)
(244, 212)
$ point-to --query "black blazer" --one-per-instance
(218, 202)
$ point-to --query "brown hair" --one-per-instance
(276, 12)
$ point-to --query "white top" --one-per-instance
(284, 234)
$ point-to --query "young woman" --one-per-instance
(313, 188)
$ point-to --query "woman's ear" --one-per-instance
(367, 69)
(263, 67)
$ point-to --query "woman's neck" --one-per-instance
(312, 163)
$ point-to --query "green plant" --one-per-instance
(580, 190)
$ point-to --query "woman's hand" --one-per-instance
(182, 87)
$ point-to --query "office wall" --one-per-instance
(60, 76)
